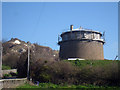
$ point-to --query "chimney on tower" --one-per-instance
(71, 27)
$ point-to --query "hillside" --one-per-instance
(93, 63)
(83, 72)
(45, 66)
(14, 48)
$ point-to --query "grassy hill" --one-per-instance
(50, 85)
(83, 63)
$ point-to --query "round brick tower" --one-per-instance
(81, 43)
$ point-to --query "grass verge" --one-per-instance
(50, 85)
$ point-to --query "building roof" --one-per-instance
(81, 30)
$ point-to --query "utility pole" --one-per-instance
(28, 66)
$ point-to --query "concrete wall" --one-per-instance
(81, 49)
(9, 71)
(1, 84)
(12, 83)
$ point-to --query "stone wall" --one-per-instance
(9, 71)
(12, 83)
(1, 84)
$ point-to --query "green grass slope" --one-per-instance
(84, 63)
(50, 85)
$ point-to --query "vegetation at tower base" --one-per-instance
(94, 72)
(51, 85)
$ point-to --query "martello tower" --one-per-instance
(81, 43)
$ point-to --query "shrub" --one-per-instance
(11, 60)
(4, 67)
(75, 72)
(7, 75)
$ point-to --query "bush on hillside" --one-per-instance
(11, 60)
(62, 72)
